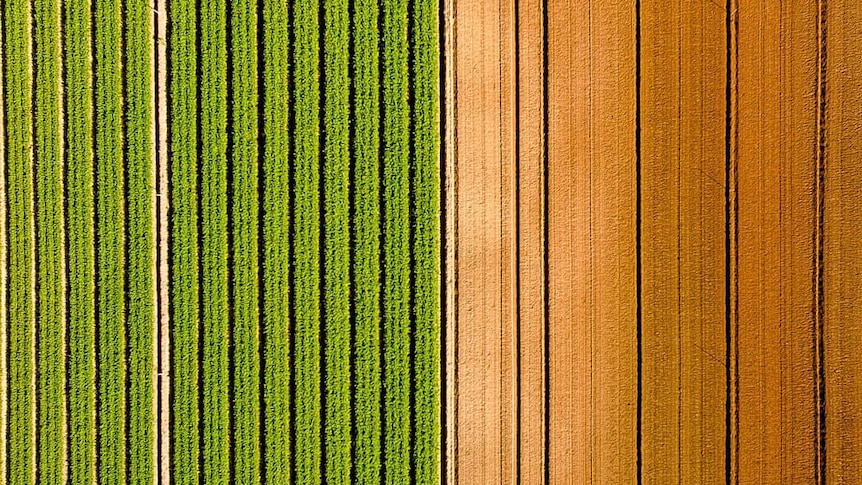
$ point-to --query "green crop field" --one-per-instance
(302, 235)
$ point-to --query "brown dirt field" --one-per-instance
(479, 354)
(843, 250)
(683, 242)
(532, 285)
(777, 169)
(669, 291)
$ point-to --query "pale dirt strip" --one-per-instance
(531, 243)
(777, 143)
(843, 242)
(163, 358)
(592, 252)
(510, 444)
(450, 205)
(478, 263)
(64, 273)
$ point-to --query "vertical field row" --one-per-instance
(78, 279)
(304, 241)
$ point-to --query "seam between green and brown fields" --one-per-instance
(444, 244)
(449, 256)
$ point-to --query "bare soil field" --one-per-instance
(654, 225)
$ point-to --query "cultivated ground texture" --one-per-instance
(221, 232)
(654, 209)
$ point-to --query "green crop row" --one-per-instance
(48, 202)
(425, 198)
(183, 251)
(110, 260)
(20, 245)
(336, 232)
(277, 267)
(366, 242)
(79, 242)
(72, 273)
(214, 243)
(307, 243)
(244, 226)
(303, 241)
(396, 244)
(140, 241)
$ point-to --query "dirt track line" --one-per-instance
(450, 106)
(163, 366)
(62, 267)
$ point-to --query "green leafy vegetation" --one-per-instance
(302, 239)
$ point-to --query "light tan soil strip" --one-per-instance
(450, 244)
(477, 73)
(34, 463)
(570, 250)
(702, 244)
(843, 251)
(64, 275)
(509, 333)
(162, 275)
(660, 240)
(531, 241)
(777, 168)
(613, 227)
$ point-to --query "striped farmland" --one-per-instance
(281, 163)
(222, 241)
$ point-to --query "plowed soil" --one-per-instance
(654, 211)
